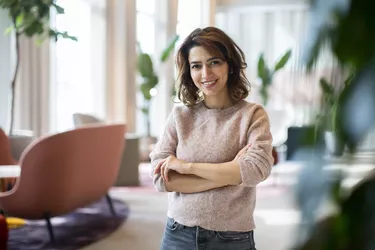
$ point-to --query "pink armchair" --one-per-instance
(6, 158)
(65, 171)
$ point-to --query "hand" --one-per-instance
(171, 163)
(242, 152)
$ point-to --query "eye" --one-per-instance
(215, 62)
(195, 66)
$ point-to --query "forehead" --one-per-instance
(199, 53)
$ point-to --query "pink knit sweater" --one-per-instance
(205, 135)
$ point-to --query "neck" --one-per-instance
(217, 102)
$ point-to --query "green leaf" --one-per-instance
(145, 111)
(359, 212)
(145, 66)
(320, 29)
(264, 94)
(145, 89)
(328, 90)
(167, 51)
(9, 30)
(336, 192)
(67, 36)
(359, 94)
(261, 66)
(19, 20)
(59, 9)
(263, 71)
(284, 59)
(152, 81)
(349, 79)
(36, 28)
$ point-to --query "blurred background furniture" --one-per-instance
(19, 140)
(128, 172)
(6, 158)
(65, 171)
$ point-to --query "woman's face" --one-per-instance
(209, 74)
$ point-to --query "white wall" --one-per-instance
(5, 68)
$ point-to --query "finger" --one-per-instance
(158, 166)
(162, 171)
(166, 169)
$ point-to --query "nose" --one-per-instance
(206, 71)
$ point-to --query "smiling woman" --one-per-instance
(210, 55)
(215, 149)
(210, 75)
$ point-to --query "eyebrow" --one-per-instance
(210, 59)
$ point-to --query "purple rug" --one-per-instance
(72, 231)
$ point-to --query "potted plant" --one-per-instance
(265, 74)
(329, 119)
(30, 19)
(147, 87)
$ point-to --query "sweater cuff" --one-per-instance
(253, 171)
(159, 183)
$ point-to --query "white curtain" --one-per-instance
(32, 107)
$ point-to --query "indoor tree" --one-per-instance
(30, 18)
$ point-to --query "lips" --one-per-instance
(209, 84)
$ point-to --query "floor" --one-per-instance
(276, 215)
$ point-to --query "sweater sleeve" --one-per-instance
(256, 163)
(165, 147)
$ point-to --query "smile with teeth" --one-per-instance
(209, 83)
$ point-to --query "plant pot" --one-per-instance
(146, 145)
(335, 146)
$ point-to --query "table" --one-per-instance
(10, 171)
(7, 173)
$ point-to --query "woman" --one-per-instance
(214, 150)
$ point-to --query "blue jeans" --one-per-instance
(180, 237)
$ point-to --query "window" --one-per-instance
(146, 23)
(190, 13)
(80, 66)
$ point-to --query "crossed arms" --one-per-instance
(250, 166)
(184, 177)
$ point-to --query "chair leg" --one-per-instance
(47, 217)
(110, 204)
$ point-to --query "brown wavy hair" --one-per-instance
(219, 45)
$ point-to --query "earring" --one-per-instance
(231, 72)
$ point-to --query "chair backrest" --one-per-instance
(6, 157)
(65, 171)
(85, 119)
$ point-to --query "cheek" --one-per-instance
(195, 76)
